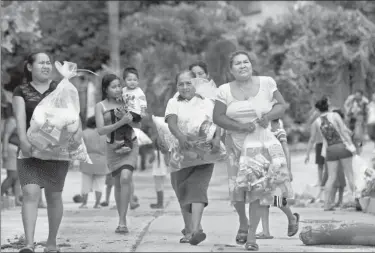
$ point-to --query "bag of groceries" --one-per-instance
(263, 165)
(200, 153)
(55, 128)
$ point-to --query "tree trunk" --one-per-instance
(114, 40)
(342, 234)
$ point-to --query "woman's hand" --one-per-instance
(248, 127)
(264, 121)
(307, 159)
(126, 119)
(215, 145)
(26, 147)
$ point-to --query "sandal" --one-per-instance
(293, 228)
(251, 246)
(241, 237)
(184, 240)
(262, 236)
(197, 238)
(27, 250)
(122, 230)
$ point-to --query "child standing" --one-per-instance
(94, 175)
(282, 203)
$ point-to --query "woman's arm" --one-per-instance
(279, 108)
(312, 138)
(9, 128)
(342, 127)
(19, 109)
(173, 127)
(99, 119)
(222, 120)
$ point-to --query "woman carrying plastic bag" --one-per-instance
(55, 128)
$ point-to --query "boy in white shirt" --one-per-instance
(135, 103)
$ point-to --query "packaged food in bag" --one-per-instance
(55, 128)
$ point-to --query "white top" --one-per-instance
(371, 113)
(191, 114)
(137, 101)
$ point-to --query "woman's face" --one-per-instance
(241, 67)
(131, 81)
(114, 89)
(199, 72)
(185, 86)
(41, 68)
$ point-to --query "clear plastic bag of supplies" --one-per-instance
(55, 128)
(263, 165)
(201, 151)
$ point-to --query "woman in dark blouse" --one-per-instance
(35, 174)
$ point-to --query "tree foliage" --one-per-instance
(314, 51)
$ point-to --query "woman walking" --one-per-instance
(237, 107)
(93, 175)
(35, 173)
(190, 184)
(338, 148)
(121, 165)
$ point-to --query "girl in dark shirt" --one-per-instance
(35, 174)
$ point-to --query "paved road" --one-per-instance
(93, 230)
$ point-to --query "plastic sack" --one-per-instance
(166, 139)
(364, 177)
(55, 128)
(205, 88)
(142, 138)
(264, 161)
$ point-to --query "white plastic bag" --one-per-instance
(142, 138)
(166, 139)
(55, 128)
(364, 177)
(205, 88)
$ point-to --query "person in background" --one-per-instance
(35, 174)
(10, 143)
(355, 108)
(337, 148)
(371, 118)
(93, 175)
(159, 172)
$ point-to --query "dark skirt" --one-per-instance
(191, 185)
(48, 174)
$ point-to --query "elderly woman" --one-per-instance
(239, 105)
(190, 184)
(338, 148)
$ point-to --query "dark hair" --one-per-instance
(91, 123)
(359, 91)
(30, 60)
(234, 54)
(129, 70)
(184, 72)
(322, 104)
(106, 81)
(200, 64)
(339, 112)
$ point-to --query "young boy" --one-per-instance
(280, 134)
(134, 103)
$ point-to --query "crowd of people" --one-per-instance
(247, 112)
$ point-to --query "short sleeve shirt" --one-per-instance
(32, 98)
